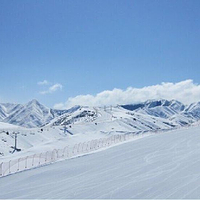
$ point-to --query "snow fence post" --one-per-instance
(105, 140)
(9, 166)
(120, 138)
(1, 169)
(108, 140)
(91, 145)
(126, 136)
(84, 147)
(39, 159)
(26, 160)
(78, 148)
(64, 152)
(88, 146)
(100, 143)
(112, 139)
(56, 154)
(46, 157)
(117, 139)
(96, 144)
(53, 155)
(75, 149)
(18, 164)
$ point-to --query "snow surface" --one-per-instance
(85, 124)
(7, 126)
(164, 165)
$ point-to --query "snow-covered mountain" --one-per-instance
(61, 127)
(159, 108)
(112, 119)
(194, 110)
(173, 110)
(7, 109)
(78, 125)
(32, 114)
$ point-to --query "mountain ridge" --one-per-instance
(30, 115)
(34, 114)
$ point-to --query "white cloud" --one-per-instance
(185, 91)
(53, 89)
(45, 82)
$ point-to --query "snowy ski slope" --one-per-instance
(84, 124)
(164, 165)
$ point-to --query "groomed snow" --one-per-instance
(164, 165)
(7, 126)
(83, 127)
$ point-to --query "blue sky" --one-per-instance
(85, 47)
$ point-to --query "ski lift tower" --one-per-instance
(15, 146)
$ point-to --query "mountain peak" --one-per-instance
(33, 101)
(36, 103)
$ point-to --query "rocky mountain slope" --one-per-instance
(32, 114)
(172, 110)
